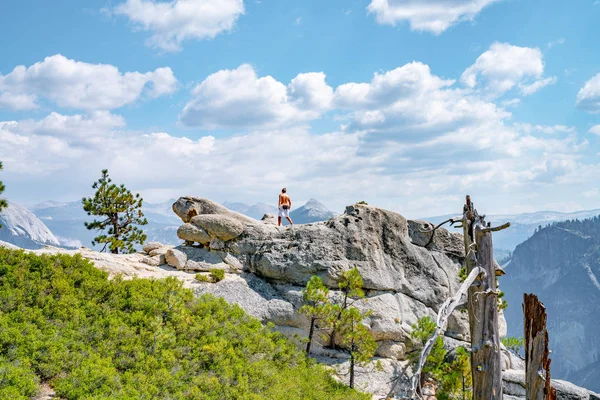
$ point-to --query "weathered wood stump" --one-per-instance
(486, 358)
(537, 360)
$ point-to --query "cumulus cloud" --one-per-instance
(78, 126)
(17, 101)
(172, 22)
(503, 66)
(80, 85)
(426, 15)
(526, 90)
(410, 101)
(595, 130)
(240, 99)
(588, 97)
(407, 134)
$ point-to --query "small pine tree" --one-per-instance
(350, 284)
(121, 211)
(315, 298)
(452, 377)
(356, 338)
(3, 203)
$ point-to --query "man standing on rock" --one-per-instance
(284, 204)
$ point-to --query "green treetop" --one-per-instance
(121, 212)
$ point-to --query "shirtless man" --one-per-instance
(284, 204)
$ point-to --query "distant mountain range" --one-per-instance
(66, 220)
(62, 223)
(312, 211)
(522, 226)
(561, 264)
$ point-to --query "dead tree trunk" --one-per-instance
(537, 362)
(486, 365)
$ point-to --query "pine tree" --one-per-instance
(351, 286)
(3, 203)
(315, 298)
(355, 336)
(121, 211)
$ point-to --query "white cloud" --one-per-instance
(552, 129)
(413, 102)
(595, 130)
(588, 97)
(76, 126)
(511, 103)
(426, 15)
(526, 90)
(409, 134)
(174, 21)
(556, 42)
(240, 99)
(17, 101)
(79, 85)
(503, 66)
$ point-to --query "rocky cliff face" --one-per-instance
(561, 264)
(22, 228)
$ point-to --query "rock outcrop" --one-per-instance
(403, 279)
(406, 277)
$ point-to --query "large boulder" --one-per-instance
(176, 258)
(219, 226)
(188, 207)
(148, 247)
(192, 233)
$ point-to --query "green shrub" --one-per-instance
(513, 343)
(217, 274)
(63, 322)
(452, 375)
(202, 278)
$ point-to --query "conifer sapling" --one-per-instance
(121, 212)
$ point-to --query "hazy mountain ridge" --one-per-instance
(22, 228)
(561, 264)
(522, 226)
(66, 219)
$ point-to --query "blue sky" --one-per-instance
(406, 104)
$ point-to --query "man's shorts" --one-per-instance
(284, 212)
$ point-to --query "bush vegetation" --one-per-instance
(62, 321)
(338, 319)
(451, 373)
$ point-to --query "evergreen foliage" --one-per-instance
(63, 322)
(3, 203)
(514, 344)
(121, 211)
(315, 298)
(215, 275)
(451, 373)
(342, 322)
